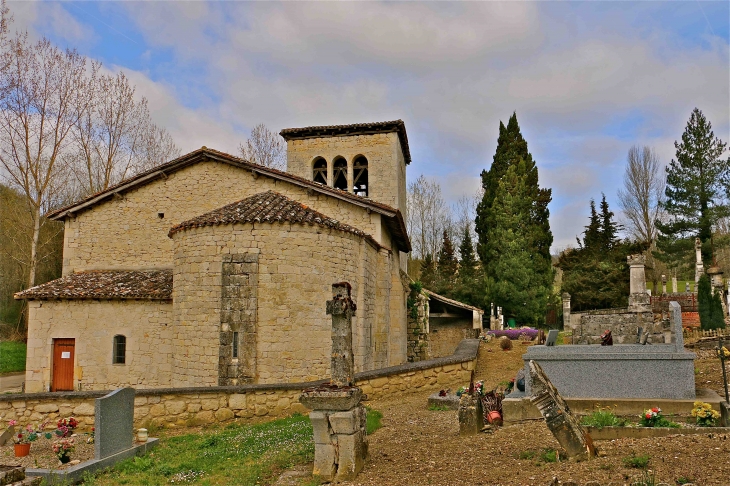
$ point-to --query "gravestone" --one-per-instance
(113, 426)
(7, 436)
(551, 337)
(471, 415)
(338, 419)
(558, 417)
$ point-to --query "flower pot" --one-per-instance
(22, 450)
(142, 435)
(494, 417)
(65, 459)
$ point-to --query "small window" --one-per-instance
(235, 344)
(360, 171)
(120, 349)
(339, 174)
(319, 171)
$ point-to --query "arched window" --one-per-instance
(120, 349)
(339, 175)
(360, 172)
(319, 171)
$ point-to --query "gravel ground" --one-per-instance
(42, 456)
(417, 446)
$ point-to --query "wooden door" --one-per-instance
(63, 364)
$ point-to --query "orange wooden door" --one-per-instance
(63, 364)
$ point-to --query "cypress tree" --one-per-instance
(520, 284)
(609, 228)
(512, 152)
(469, 286)
(696, 183)
(709, 305)
(468, 262)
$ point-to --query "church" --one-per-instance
(209, 270)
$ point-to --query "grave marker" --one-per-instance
(551, 337)
(113, 424)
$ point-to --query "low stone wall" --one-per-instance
(205, 405)
(623, 324)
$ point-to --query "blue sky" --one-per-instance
(587, 79)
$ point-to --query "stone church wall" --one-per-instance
(128, 232)
(93, 324)
(296, 267)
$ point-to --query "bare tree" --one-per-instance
(264, 147)
(46, 93)
(642, 193)
(428, 217)
(115, 138)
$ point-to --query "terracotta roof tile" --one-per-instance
(266, 207)
(353, 129)
(105, 284)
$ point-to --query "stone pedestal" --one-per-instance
(471, 415)
(340, 443)
(639, 300)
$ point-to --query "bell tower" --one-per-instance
(365, 159)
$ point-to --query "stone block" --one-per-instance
(223, 414)
(324, 461)
(175, 407)
(205, 417)
(321, 427)
(351, 457)
(46, 408)
(724, 415)
(471, 416)
(114, 423)
(346, 422)
(84, 409)
(237, 401)
(157, 410)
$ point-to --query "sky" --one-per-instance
(587, 79)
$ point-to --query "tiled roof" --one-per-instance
(452, 302)
(393, 217)
(105, 284)
(353, 129)
(267, 207)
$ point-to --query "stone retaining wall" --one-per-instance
(205, 405)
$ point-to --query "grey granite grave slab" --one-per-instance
(114, 429)
(551, 337)
(619, 371)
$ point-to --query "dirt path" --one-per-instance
(417, 446)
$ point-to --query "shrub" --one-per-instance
(505, 343)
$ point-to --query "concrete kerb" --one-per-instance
(517, 409)
(76, 473)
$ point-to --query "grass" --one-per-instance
(12, 356)
(234, 454)
(603, 417)
(637, 462)
(545, 455)
(438, 408)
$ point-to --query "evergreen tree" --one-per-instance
(447, 266)
(596, 273)
(709, 305)
(534, 227)
(520, 283)
(469, 286)
(694, 201)
(428, 271)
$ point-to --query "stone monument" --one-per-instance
(638, 298)
(561, 422)
(566, 310)
(338, 418)
(699, 268)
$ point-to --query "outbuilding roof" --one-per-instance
(267, 207)
(393, 218)
(105, 284)
(353, 129)
(451, 302)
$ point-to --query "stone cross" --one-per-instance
(566, 310)
(699, 268)
(674, 285)
(342, 308)
(558, 417)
